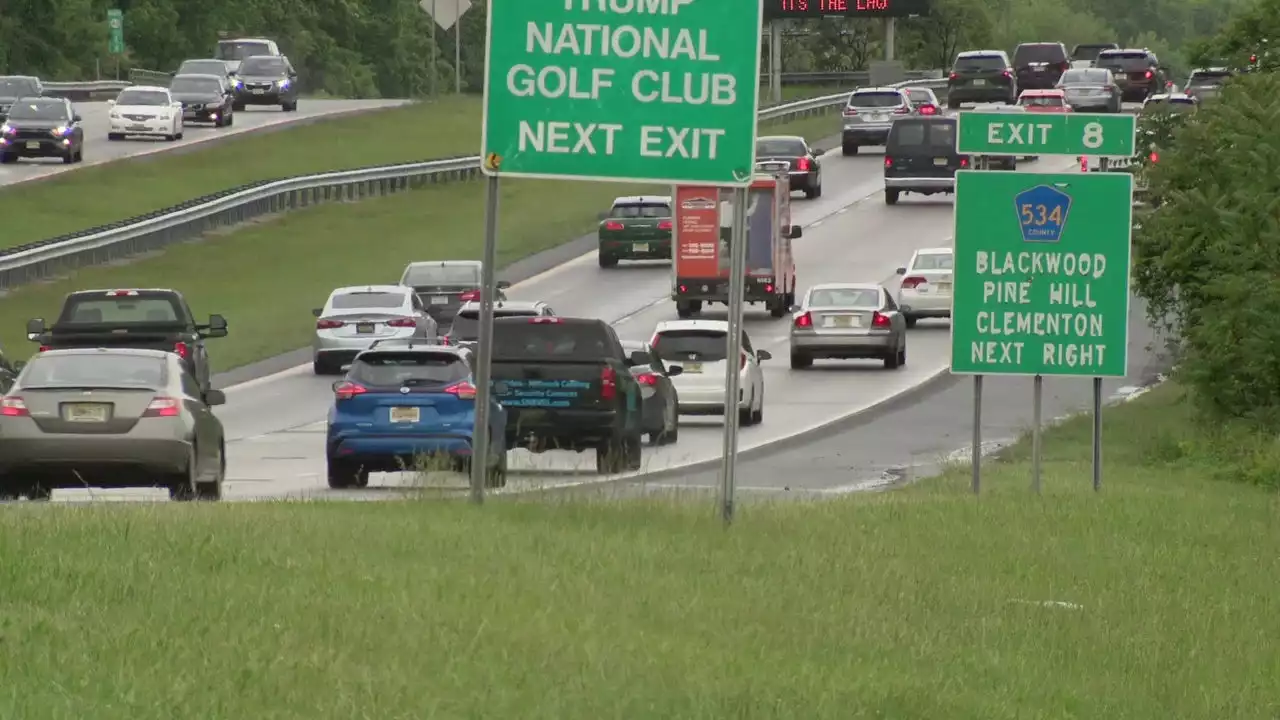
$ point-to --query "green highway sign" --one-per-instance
(660, 91)
(1033, 133)
(115, 40)
(1041, 280)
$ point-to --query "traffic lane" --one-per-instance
(98, 150)
(916, 439)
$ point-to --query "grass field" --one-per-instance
(266, 277)
(924, 603)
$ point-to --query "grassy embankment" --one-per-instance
(266, 277)
(1155, 599)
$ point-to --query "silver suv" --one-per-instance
(869, 116)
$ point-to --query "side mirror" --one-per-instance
(111, 103)
(504, 284)
(76, 118)
(796, 232)
(901, 271)
(674, 371)
(816, 151)
(35, 326)
(763, 355)
(215, 397)
(317, 312)
(638, 357)
(217, 322)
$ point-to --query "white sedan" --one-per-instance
(143, 111)
(925, 290)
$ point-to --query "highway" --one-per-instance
(98, 151)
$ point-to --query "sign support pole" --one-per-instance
(976, 452)
(1037, 395)
(775, 62)
(1097, 434)
(733, 386)
(457, 55)
(484, 363)
(435, 50)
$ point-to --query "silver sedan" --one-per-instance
(353, 318)
(848, 321)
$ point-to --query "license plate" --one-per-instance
(693, 367)
(843, 321)
(259, 91)
(404, 415)
(640, 247)
(137, 127)
(85, 412)
(33, 145)
(364, 328)
(879, 117)
(439, 300)
(979, 82)
(940, 162)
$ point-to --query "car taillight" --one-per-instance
(403, 322)
(1253, 58)
(43, 348)
(1064, 66)
(1084, 164)
(470, 296)
(953, 76)
(348, 390)
(928, 110)
(743, 365)
(913, 282)
(964, 162)
(888, 162)
(880, 321)
(608, 383)
(464, 390)
(647, 379)
(122, 293)
(902, 110)
(444, 340)
(768, 288)
(614, 225)
(1109, 88)
(684, 289)
(544, 320)
(181, 350)
(1155, 157)
(162, 406)
(802, 164)
(803, 321)
(664, 225)
(13, 407)
(1008, 74)
(850, 112)
(328, 324)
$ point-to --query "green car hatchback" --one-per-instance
(636, 228)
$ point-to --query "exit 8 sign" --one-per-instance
(782, 9)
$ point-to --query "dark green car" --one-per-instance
(636, 228)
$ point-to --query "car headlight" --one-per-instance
(60, 131)
(6, 129)
(239, 84)
(282, 83)
(115, 115)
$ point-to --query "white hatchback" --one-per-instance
(699, 348)
(925, 290)
(145, 112)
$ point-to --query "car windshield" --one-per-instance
(202, 67)
(696, 345)
(1123, 61)
(1038, 53)
(367, 300)
(785, 147)
(407, 368)
(17, 87)
(462, 275)
(640, 210)
(1089, 52)
(1041, 101)
(195, 85)
(875, 99)
(844, 297)
(527, 340)
(1091, 76)
(972, 63)
(237, 50)
(46, 110)
(934, 261)
(1168, 105)
(142, 97)
(117, 310)
(917, 134)
(918, 95)
(104, 369)
(1208, 79)
(466, 324)
(262, 66)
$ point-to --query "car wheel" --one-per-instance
(902, 356)
(891, 196)
(229, 119)
(848, 149)
(616, 455)
(320, 367)
(113, 137)
(747, 413)
(182, 486)
(69, 157)
(684, 309)
(671, 434)
(496, 477)
(343, 474)
(170, 138)
(39, 492)
(800, 361)
(212, 490)
(891, 360)
(778, 306)
(80, 153)
(607, 261)
(757, 415)
(911, 320)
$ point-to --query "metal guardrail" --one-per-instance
(85, 90)
(190, 220)
(852, 78)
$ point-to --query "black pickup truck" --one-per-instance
(566, 385)
(145, 319)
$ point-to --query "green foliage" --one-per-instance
(1248, 33)
(1207, 258)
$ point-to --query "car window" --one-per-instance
(1091, 76)
(39, 110)
(934, 261)
(233, 50)
(942, 134)
(641, 210)
(1089, 52)
(408, 368)
(844, 297)
(696, 345)
(780, 146)
(889, 304)
(17, 87)
(1039, 53)
(365, 300)
(119, 310)
(443, 275)
(142, 97)
(907, 134)
(873, 99)
(1181, 104)
(1208, 79)
(1041, 101)
(1124, 61)
(972, 63)
(263, 66)
(466, 324)
(918, 95)
(202, 67)
(195, 85)
(520, 339)
(110, 369)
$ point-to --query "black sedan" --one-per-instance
(792, 155)
(42, 127)
(661, 419)
(204, 98)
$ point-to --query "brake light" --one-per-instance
(444, 340)
(608, 383)
(880, 321)
(850, 112)
(804, 321)
(888, 162)
(614, 225)
(1155, 157)
(647, 379)
(162, 406)
(328, 324)
(1253, 58)
(953, 76)
(802, 164)
(470, 296)
(122, 293)
(768, 288)
(1084, 164)
(928, 110)
(348, 390)
(664, 225)
(684, 289)
(913, 282)
(403, 322)
(1109, 88)
(743, 365)
(902, 110)
(464, 390)
(1064, 66)
(1150, 74)
(544, 320)
(964, 162)
(43, 348)
(182, 350)
(1008, 74)
(13, 407)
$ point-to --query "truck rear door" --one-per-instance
(551, 363)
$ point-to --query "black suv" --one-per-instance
(981, 76)
(42, 128)
(1039, 66)
(920, 157)
(1088, 52)
(267, 80)
(1138, 73)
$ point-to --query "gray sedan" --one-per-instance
(1090, 89)
(848, 321)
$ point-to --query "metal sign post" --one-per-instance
(446, 14)
(1037, 422)
(733, 372)
(484, 363)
